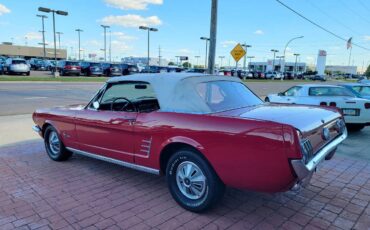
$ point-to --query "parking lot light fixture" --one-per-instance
(63, 13)
(295, 64)
(245, 46)
(273, 60)
(79, 43)
(43, 31)
(250, 61)
(149, 29)
(207, 40)
(105, 27)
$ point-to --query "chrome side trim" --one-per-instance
(303, 170)
(36, 128)
(114, 161)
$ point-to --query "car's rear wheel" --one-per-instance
(192, 182)
(54, 145)
(267, 99)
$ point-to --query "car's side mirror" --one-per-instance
(96, 105)
(281, 94)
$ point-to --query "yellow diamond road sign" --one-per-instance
(238, 52)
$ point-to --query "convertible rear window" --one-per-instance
(329, 91)
(225, 95)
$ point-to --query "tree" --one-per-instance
(171, 63)
(367, 72)
(186, 65)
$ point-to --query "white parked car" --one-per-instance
(16, 66)
(356, 110)
(273, 75)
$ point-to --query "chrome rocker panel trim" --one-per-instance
(114, 161)
(302, 170)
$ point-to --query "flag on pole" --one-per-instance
(349, 43)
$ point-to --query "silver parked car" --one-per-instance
(16, 66)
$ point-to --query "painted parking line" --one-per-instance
(34, 98)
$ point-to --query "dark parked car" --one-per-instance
(69, 68)
(110, 69)
(154, 69)
(196, 70)
(38, 64)
(318, 78)
(91, 68)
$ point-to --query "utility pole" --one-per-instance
(43, 32)
(212, 37)
(245, 56)
(105, 41)
(59, 33)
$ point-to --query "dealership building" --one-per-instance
(28, 52)
(341, 69)
(268, 66)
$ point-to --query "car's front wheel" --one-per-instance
(54, 145)
(192, 181)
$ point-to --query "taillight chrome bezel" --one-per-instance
(305, 147)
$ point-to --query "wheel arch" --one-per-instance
(174, 144)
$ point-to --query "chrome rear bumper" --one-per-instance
(37, 129)
(304, 171)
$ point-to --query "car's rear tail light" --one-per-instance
(323, 103)
(333, 104)
(78, 67)
(67, 67)
(367, 105)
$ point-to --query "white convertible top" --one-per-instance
(176, 91)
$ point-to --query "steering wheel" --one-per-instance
(124, 106)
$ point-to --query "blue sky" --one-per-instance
(264, 24)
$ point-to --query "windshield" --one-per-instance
(18, 62)
(225, 95)
(362, 90)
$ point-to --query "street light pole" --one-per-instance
(110, 46)
(59, 33)
(43, 32)
(245, 57)
(221, 58)
(197, 57)
(273, 60)
(286, 46)
(79, 43)
(149, 29)
(212, 38)
(105, 41)
(205, 58)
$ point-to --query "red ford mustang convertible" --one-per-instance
(201, 132)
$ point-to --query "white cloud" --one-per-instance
(131, 20)
(33, 36)
(226, 44)
(259, 32)
(122, 36)
(132, 4)
(367, 37)
(3, 10)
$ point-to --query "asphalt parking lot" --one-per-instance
(83, 193)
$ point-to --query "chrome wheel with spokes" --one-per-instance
(54, 143)
(190, 180)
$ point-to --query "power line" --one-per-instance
(319, 26)
(364, 5)
(354, 12)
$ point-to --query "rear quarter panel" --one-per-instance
(247, 154)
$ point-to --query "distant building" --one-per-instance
(338, 69)
(144, 60)
(268, 66)
(28, 52)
